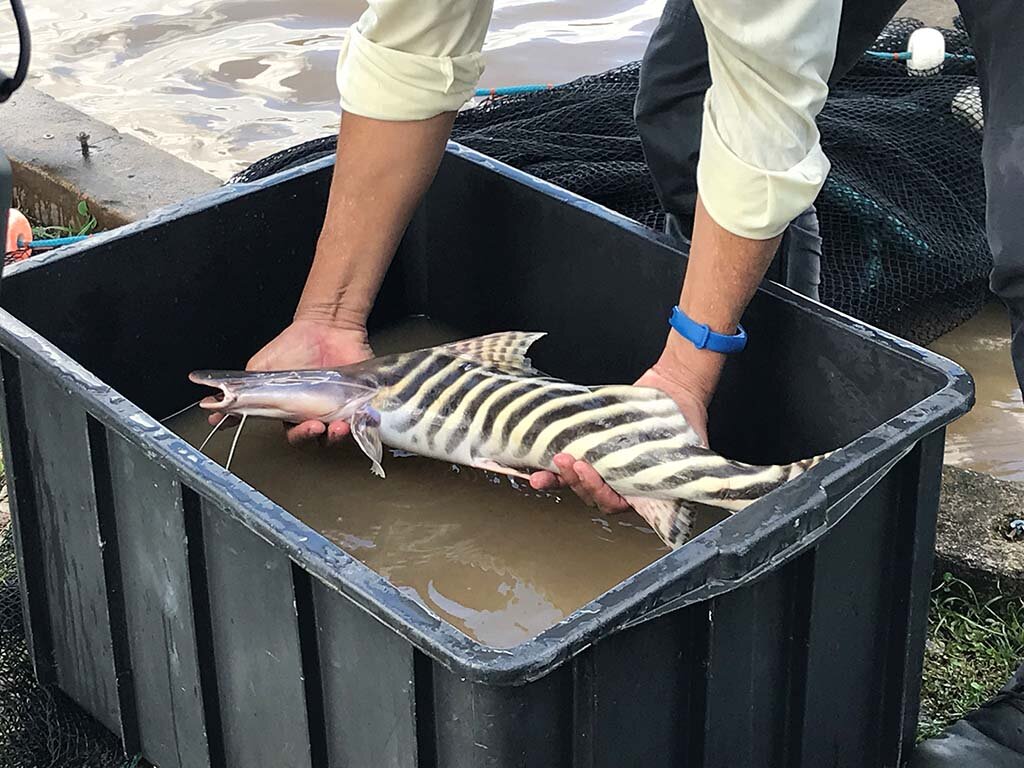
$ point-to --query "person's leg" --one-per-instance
(992, 736)
(798, 262)
(674, 76)
(996, 29)
(859, 28)
(798, 265)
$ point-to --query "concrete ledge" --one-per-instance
(122, 178)
(971, 543)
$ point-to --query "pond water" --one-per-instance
(222, 83)
(991, 437)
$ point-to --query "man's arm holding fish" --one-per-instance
(382, 170)
(761, 164)
(404, 70)
(722, 275)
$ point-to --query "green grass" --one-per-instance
(975, 642)
(85, 225)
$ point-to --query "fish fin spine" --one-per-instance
(504, 351)
(671, 519)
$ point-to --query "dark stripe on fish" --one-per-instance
(418, 374)
(721, 493)
(617, 443)
(514, 389)
(542, 396)
(452, 373)
(449, 400)
(698, 468)
(676, 528)
(478, 395)
(653, 458)
(752, 492)
(561, 439)
(560, 412)
(399, 366)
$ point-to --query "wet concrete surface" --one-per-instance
(122, 178)
(971, 538)
(938, 13)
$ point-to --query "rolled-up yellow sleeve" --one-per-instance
(412, 60)
(761, 162)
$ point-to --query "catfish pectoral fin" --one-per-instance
(671, 519)
(365, 426)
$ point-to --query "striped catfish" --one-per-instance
(479, 402)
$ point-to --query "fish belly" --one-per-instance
(419, 438)
(395, 432)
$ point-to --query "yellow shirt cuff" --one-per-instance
(748, 201)
(385, 84)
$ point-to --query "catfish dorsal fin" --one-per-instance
(504, 351)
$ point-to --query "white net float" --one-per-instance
(927, 48)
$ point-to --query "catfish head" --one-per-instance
(298, 396)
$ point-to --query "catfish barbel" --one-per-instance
(479, 402)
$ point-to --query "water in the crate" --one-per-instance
(488, 554)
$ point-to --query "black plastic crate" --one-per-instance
(207, 626)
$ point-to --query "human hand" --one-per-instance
(584, 480)
(309, 344)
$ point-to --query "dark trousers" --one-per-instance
(674, 77)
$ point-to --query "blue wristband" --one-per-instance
(703, 337)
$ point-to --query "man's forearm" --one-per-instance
(761, 162)
(403, 72)
(381, 172)
(722, 275)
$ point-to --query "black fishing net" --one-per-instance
(901, 214)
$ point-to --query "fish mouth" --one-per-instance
(223, 399)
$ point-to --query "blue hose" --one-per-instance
(510, 90)
(905, 55)
(55, 242)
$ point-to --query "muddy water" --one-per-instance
(488, 554)
(222, 83)
(991, 437)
